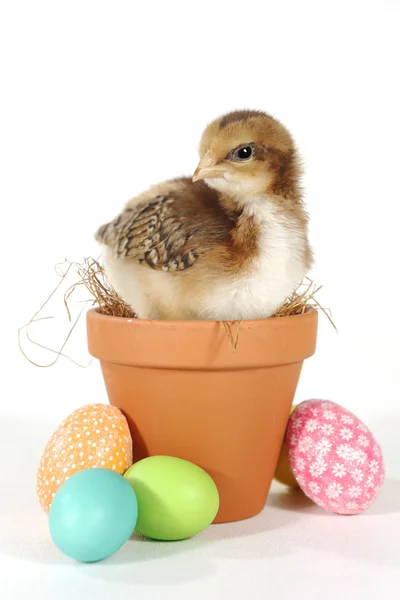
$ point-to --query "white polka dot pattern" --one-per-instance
(96, 435)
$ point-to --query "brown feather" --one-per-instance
(170, 232)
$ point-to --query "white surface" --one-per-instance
(292, 550)
(99, 100)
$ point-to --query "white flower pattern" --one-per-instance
(305, 444)
(297, 424)
(344, 451)
(346, 434)
(355, 491)
(357, 475)
(327, 429)
(323, 446)
(363, 440)
(334, 490)
(339, 470)
(321, 463)
(314, 487)
(346, 419)
(337, 462)
(329, 415)
(370, 481)
(301, 464)
(311, 425)
(359, 457)
(315, 470)
(374, 466)
(352, 506)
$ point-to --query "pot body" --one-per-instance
(186, 393)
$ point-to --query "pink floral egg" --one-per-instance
(334, 457)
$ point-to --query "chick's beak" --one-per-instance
(206, 169)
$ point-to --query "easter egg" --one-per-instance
(96, 435)
(93, 514)
(176, 498)
(334, 457)
(283, 472)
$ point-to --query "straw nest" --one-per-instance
(110, 303)
(91, 276)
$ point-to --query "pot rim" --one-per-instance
(201, 345)
(190, 324)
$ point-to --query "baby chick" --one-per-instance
(231, 243)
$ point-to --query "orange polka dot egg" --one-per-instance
(94, 436)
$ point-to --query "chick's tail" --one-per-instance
(106, 234)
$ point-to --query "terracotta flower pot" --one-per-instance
(186, 393)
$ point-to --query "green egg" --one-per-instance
(176, 498)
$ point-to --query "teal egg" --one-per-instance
(93, 514)
(177, 499)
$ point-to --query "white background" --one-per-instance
(99, 100)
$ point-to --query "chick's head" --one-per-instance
(245, 154)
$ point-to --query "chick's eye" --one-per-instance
(243, 153)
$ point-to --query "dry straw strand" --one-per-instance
(92, 276)
(233, 339)
(35, 319)
(302, 300)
